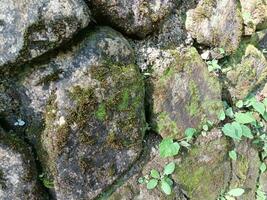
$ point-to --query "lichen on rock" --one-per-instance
(183, 95)
(93, 114)
(216, 23)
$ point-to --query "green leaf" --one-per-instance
(229, 112)
(189, 133)
(221, 115)
(229, 130)
(240, 104)
(152, 184)
(168, 180)
(169, 168)
(238, 129)
(265, 102)
(244, 118)
(155, 174)
(259, 107)
(168, 148)
(233, 155)
(166, 188)
(263, 167)
(246, 132)
(205, 127)
(237, 192)
(185, 144)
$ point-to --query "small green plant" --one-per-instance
(213, 65)
(46, 181)
(160, 179)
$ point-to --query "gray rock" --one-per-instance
(90, 101)
(29, 28)
(249, 76)
(205, 171)
(254, 13)
(216, 23)
(133, 17)
(245, 170)
(18, 175)
(183, 94)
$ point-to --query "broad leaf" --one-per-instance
(168, 148)
(189, 133)
(155, 174)
(221, 115)
(237, 192)
(229, 112)
(259, 107)
(229, 130)
(244, 118)
(246, 132)
(152, 184)
(169, 168)
(263, 167)
(166, 188)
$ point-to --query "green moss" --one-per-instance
(166, 126)
(125, 100)
(242, 165)
(193, 106)
(101, 112)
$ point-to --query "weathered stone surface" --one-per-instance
(205, 171)
(91, 100)
(249, 76)
(216, 23)
(18, 175)
(245, 170)
(183, 94)
(131, 189)
(136, 18)
(29, 28)
(254, 14)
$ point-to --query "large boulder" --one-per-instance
(29, 28)
(135, 18)
(90, 101)
(18, 174)
(183, 94)
(254, 14)
(248, 76)
(216, 23)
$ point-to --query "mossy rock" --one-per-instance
(216, 24)
(92, 114)
(205, 171)
(184, 95)
(254, 14)
(245, 170)
(249, 76)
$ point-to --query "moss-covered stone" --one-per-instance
(205, 171)
(184, 95)
(216, 24)
(249, 76)
(245, 170)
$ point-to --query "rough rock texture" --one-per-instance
(245, 170)
(216, 23)
(92, 101)
(205, 171)
(248, 76)
(29, 28)
(133, 17)
(184, 94)
(254, 14)
(131, 189)
(18, 175)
